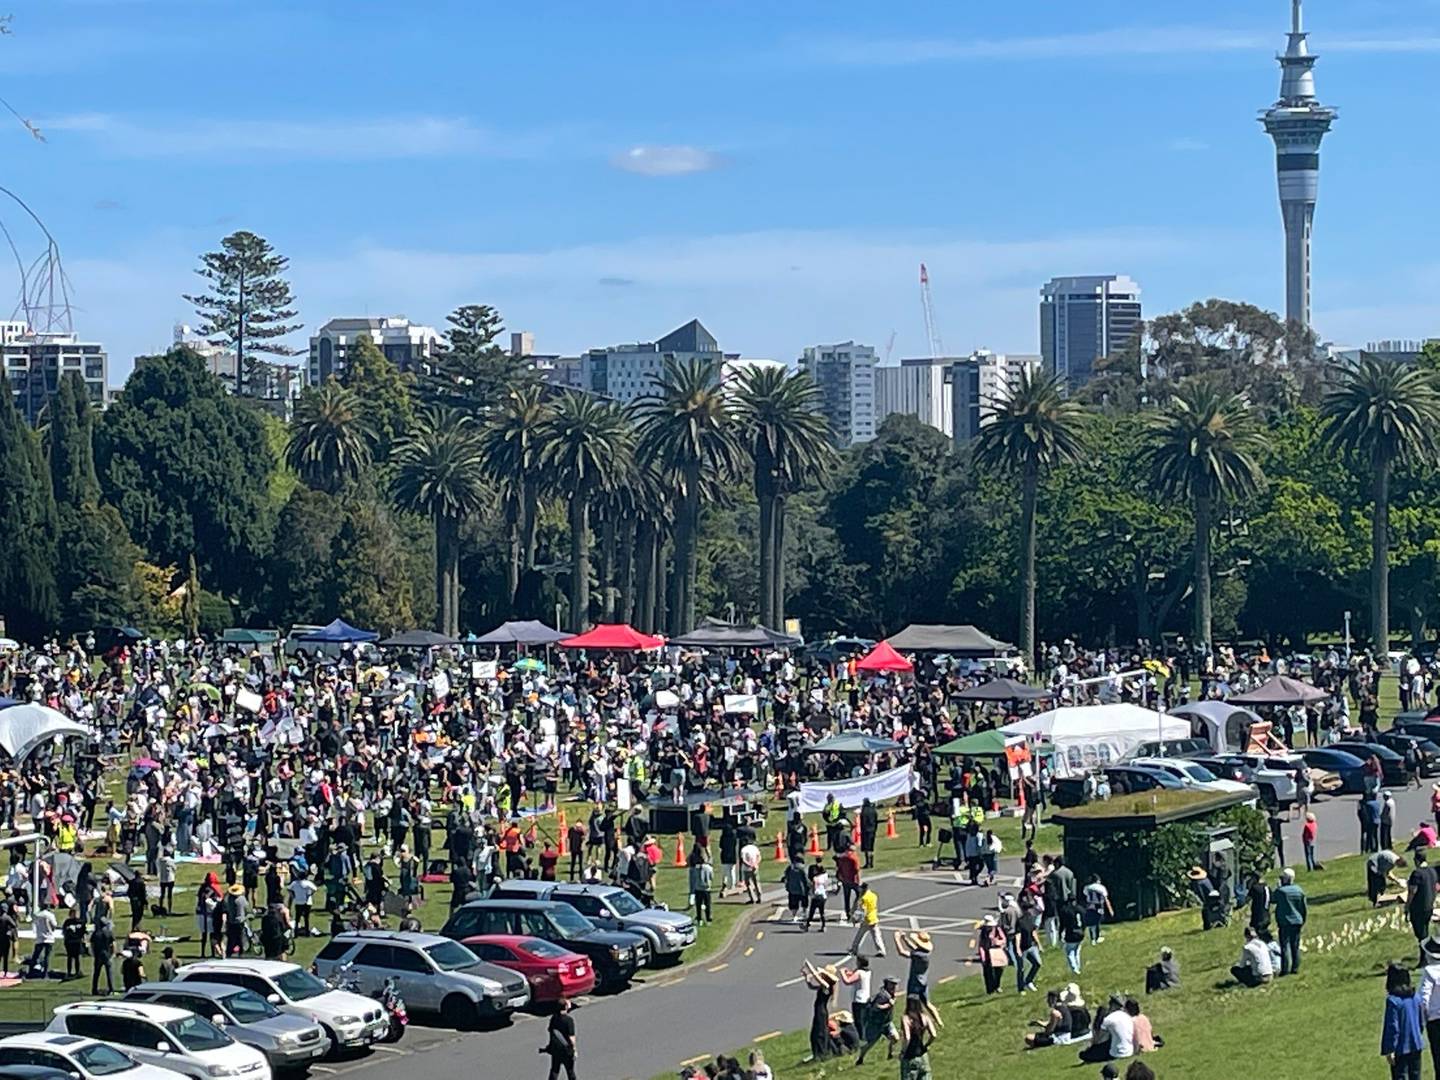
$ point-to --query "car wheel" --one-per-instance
(458, 1012)
(329, 1036)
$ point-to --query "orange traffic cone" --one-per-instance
(680, 850)
(779, 848)
(890, 833)
(855, 832)
(814, 840)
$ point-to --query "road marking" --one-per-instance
(391, 1050)
(890, 910)
(717, 967)
(914, 923)
(760, 935)
(972, 943)
(323, 1068)
(791, 982)
(767, 1036)
(696, 1060)
(749, 950)
(947, 979)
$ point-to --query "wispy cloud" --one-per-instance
(343, 139)
(648, 160)
(1117, 42)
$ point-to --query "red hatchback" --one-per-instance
(553, 972)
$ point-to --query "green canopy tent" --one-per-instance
(984, 744)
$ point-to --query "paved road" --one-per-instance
(753, 992)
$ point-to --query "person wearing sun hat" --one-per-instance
(823, 981)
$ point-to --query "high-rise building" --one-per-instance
(404, 343)
(981, 382)
(629, 372)
(919, 387)
(1297, 122)
(1083, 319)
(274, 384)
(35, 363)
(845, 374)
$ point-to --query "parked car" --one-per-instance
(75, 1056)
(1167, 748)
(348, 1020)
(1393, 769)
(434, 974)
(162, 1035)
(1284, 771)
(552, 972)
(1123, 780)
(1349, 768)
(1427, 752)
(33, 1072)
(1276, 788)
(615, 955)
(611, 908)
(1194, 775)
(287, 1041)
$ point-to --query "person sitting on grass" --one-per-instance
(1256, 966)
(1055, 1029)
(1114, 1034)
(1164, 974)
(1145, 1038)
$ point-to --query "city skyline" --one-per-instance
(617, 215)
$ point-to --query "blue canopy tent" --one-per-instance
(338, 632)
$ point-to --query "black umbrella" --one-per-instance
(417, 639)
(1002, 690)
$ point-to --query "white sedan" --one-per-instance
(1194, 775)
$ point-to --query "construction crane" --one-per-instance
(889, 347)
(937, 349)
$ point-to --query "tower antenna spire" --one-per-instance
(1296, 21)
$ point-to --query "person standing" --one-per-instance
(869, 827)
(1401, 1041)
(702, 877)
(991, 943)
(1097, 906)
(879, 1020)
(1290, 915)
(44, 923)
(917, 1032)
(1420, 898)
(819, 893)
(750, 872)
(102, 948)
(560, 1044)
(847, 872)
(869, 922)
(1308, 833)
(1430, 996)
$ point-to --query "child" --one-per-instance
(168, 965)
(1308, 832)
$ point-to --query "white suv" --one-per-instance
(164, 1036)
(1193, 775)
(82, 1058)
(349, 1020)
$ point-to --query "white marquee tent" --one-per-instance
(1085, 736)
(23, 728)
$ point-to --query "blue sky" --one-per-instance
(602, 172)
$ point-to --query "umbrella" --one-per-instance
(1281, 690)
(418, 639)
(210, 690)
(1002, 690)
(528, 663)
(145, 763)
(217, 731)
(9, 644)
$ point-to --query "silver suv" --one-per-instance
(611, 908)
(287, 1041)
(434, 974)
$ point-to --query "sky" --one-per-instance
(604, 172)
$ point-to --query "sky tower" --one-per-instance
(1297, 123)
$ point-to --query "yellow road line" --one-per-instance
(718, 967)
(749, 950)
(947, 979)
(760, 935)
(696, 1060)
(767, 1035)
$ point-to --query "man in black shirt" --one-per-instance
(561, 1043)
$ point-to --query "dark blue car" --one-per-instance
(1347, 766)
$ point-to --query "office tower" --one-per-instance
(404, 343)
(981, 382)
(1083, 319)
(845, 374)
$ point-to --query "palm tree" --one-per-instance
(1025, 436)
(510, 441)
(687, 427)
(1205, 446)
(440, 472)
(329, 443)
(586, 445)
(789, 444)
(1385, 414)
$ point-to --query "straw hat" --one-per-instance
(989, 920)
(1071, 996)
(919, 940)
(828, 974)
(1196, 873)
(236, 890)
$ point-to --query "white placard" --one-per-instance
(248, 700)
(484, 669)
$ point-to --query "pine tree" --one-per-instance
(249, 305)
(383, 395)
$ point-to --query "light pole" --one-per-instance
(1347, 635)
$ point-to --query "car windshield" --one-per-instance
(248, 1007)
(450, 956)
(544, 950)
(97, 1059)
(1200, 773)
(624, 903)
(299, 984)
(570, 922)
(197, 1033)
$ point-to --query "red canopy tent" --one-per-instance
(883, 658)
(613, 636)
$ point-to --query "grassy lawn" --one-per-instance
(1327, 1015)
